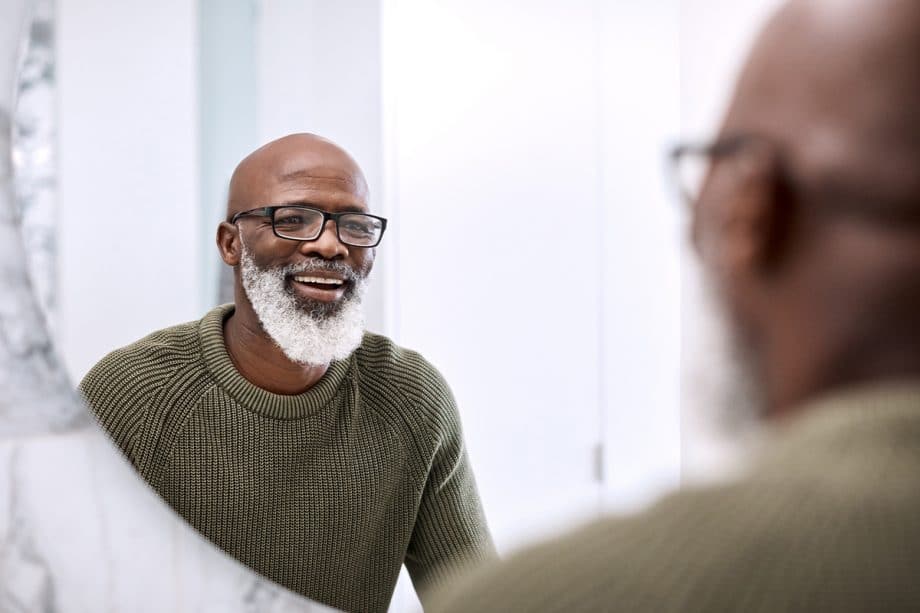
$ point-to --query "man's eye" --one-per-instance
(356, 227)
(290, 220)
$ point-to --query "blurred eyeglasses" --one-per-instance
(692, 163)
(298, 222)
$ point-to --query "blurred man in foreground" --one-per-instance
(322, 456)
(808, 227)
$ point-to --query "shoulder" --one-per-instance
(403, 380)
(141, 366)
(753, 545)
(641, 563)
(402, 367)
(123, 387)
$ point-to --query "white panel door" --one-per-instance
(491, 164)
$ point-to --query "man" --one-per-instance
(808, 225)
(321, 456)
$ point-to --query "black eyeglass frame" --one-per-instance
(869, 203)
(269, 211)
(726, 146)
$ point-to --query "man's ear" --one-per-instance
(748, 215)
(228, 243)
(763, 213)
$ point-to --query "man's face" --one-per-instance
(321, 274)
(306, 294)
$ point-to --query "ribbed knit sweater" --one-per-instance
(327, 492)
(827, 520)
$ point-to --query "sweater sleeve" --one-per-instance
(450, 533)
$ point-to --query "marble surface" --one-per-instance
(79, 530)
(34, 156)
(36, 395)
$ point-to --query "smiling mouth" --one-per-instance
(319, 282)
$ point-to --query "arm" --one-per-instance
(450, 533)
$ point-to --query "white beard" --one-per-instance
(307, 334)
(722, 396)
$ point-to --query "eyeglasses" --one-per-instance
(297, 222)
(692, 163)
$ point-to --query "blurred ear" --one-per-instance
(228, 243)
(741, 227)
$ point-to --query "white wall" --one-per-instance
(492, 117)
(536, 262)
(127, 109)
(640, 119)
(228, 116)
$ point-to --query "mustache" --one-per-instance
(321, 265)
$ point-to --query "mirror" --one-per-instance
(533, 253)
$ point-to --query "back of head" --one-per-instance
(837, 83)
(813, 232)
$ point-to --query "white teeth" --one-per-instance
(319, 280)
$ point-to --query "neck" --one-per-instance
(845, 314)
(865, 357)
(260, 361)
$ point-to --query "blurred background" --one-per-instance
(535, 252)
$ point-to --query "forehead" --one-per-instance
(331, 189)
(298, 170)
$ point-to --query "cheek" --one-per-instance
(271, 251)
(363, 261)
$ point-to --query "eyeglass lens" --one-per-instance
(306, 224)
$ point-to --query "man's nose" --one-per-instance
(327, 245)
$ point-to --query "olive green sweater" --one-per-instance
(328, 492)
(828, 520)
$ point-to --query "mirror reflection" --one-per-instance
(322, 457)
(532, 254)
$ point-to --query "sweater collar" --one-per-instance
(276, 406)
(848, 422)
(877, 404)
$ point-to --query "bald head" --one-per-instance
(296, 160)
(809, 228)
(837, 84)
